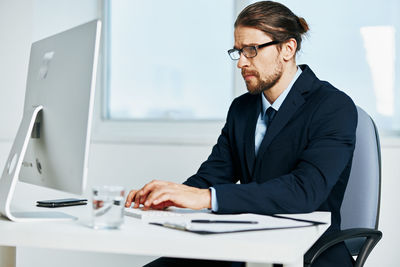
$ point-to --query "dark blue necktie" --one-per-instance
(269, 116)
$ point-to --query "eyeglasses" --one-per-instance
(248, 51)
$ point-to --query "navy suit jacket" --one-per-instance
(303, 163)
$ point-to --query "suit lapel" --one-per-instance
(293, 101)
(249, 134)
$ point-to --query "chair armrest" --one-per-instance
(373, 236)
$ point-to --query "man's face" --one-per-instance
(264, 70)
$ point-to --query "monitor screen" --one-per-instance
(51, 147)
(61, 78)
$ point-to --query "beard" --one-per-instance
(262, 85)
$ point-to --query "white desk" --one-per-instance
(137, 238)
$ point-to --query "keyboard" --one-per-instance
(170, 213)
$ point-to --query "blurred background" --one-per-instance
(165, 84)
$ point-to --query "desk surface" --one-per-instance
(139, 238)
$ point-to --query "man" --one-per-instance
(289, 140)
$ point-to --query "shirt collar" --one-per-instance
(278, 102)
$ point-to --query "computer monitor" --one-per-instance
(52, 143)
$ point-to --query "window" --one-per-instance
(355, 45)
(169, 78)
(167, 60)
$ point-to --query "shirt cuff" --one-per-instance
(214, 203)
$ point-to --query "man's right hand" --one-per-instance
(161, 194)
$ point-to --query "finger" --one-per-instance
(156, 193)
(130, 197)
(162, 199)
(148, 189)
(159, 196)
(137, 199)
(141, 197)
(164, 192)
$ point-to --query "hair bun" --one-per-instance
(303, 24)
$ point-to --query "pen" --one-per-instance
(170, 225)
(222, 221)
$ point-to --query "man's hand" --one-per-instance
(161, 194)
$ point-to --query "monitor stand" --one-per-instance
(11, 171)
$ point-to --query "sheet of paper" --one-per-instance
(182, 219)
(263, 222)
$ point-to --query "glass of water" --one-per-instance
(108, 206)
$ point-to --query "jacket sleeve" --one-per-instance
(331, 135)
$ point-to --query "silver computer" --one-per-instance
(52, 142)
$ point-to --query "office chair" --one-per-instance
(360, 206)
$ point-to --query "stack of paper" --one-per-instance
(205, 222)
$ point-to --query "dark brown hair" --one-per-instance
(275, 19)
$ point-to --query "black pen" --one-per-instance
(222, 221)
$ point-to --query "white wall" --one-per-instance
(386, 252)
(127, 164)
(15, 36)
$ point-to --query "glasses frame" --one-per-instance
(255, 47)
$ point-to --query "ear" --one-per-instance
(288, 50)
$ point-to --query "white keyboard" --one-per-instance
(145, 214)
(163, 214)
